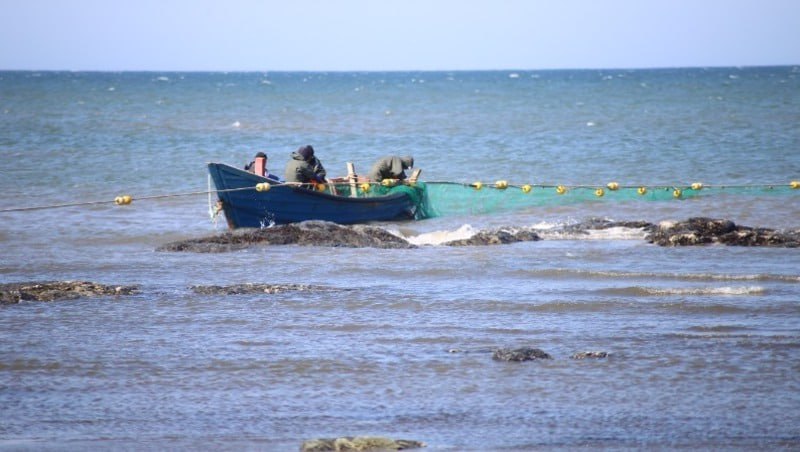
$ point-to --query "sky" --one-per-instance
(390, 35)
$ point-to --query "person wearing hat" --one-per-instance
(303, 167)
(391, 167)
(252, 167)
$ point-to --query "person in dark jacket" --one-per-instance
(251, 167)
(391, 167)
(303, 167)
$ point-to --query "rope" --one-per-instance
(500, 185)
(129, 199)
(115, 201)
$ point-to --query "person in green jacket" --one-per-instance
(303, 167)
(391, 167)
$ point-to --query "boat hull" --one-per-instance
(245, 207)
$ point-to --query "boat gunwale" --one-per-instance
(306, 190)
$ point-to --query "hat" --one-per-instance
(261, 154)
(306, 152)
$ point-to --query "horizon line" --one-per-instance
(611, 68)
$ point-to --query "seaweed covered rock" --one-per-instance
(520, 354)
(706, 231)
(308, 233)
(745, 236)
(358, 444)
(58, 290)
(497, 237)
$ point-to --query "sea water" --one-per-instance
(703, 342)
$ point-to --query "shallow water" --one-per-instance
(704, 342)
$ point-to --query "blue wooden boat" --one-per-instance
(246, 207)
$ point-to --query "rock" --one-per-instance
(695, 231)
(497, 237)
(358, 443)
(58, 290)
(308, 233)
(744, 236)
(705, 231)
(519, 354)
(239, 289)
(584, 355)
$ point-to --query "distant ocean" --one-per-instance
(703, 342)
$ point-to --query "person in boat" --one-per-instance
(252, 167)
(304, 167)
(391, 167)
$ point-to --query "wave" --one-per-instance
(544, 230)
(718, 328)
(613, 233)
(615, 274)
(439, 237)
(668, 291)
(600, 307)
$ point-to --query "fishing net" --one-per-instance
(451, 198)
(418, 193)
(435, 199)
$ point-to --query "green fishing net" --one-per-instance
(435, 199)
(418, 192)
(450, 198)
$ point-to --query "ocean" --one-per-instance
(703, 343)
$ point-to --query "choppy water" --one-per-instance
(704, 342)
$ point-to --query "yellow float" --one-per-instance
(123, 200)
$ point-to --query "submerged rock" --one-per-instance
(498, 237)
(358, 443)
(585, 355)
(706, 231)
(308, 233)
(58, 290)
(239, 289)
(694, 231)
(520, 354)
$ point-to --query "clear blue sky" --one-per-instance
(231, 35)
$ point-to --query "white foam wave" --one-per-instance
(615, 233)
(743, 290)
(548, 231)
(545, 225)
(439, 237)
(674, 276)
